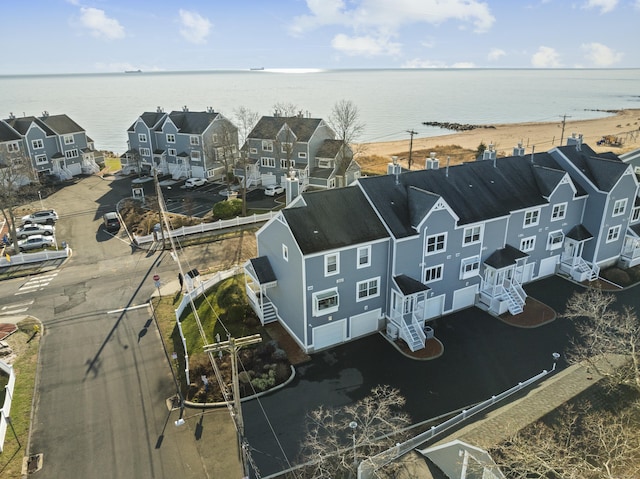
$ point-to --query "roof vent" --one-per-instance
(159, 109)
(489, 153)
(432, 163)
(518, 150)
(185, 108)
(45, 114)
(210, 109)
(11, 116)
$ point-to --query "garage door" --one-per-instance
(548, 266)
(329, 334)
(435, 306)
(364, 323)
(465, 297)
(75, 168)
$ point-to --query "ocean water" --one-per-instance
(391, 102)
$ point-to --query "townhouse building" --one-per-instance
(395, 251)
(55, 144)
(280, 147)
(183, 144)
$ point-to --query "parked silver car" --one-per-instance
(35, 242)
(34, 229)
(48, 217)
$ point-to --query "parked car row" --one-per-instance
(37, 230)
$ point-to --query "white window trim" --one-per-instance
(534, 213)
(369, 282)
(171, 138)
(320, 295)
(616, 234)
(326, 264)
(37, 144)
(473, 261)
(195, 155)
(619, 207)
(71, 154)
(146, 152)
(555, 240)
(267, 146)
(556, 207)
(438, 250)
(68, 140)
(171, 151)
(433, 268)
(142, 138)
(13, 147)
(635, 214)
(368, 263)
(471, 229)
(41, 159)
(267, 162)
(302, 154)
(528, 244)
(285, 252)
(253, 151)
(194, 140)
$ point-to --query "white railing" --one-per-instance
(26, 258)
(367, 468)
(5, 412)
(204, 227)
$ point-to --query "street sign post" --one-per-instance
(156, 280)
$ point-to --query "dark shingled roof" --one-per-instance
(333, 219)
(476, 191)
(408, 285)
(269, 126)
(61, 124)
(579, 233)
(191, 122)
(603, 171)
(7, 133)
(504, 257)
(636, 229)
(22, 125)
(329, 149)
(264, 271)
(149, 118)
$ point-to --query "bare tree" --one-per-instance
(604, 334)
(17, 185)
(337, 440)
(286, 109)
(224, 150)
(246, 120)
(345, 121)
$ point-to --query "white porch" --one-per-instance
(630, 254)
(259, 277)
(408, 312)
(501, 288)
(571, 261)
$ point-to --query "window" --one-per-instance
(268, 162)
(37, 144)
(253, 151)
(286, 147)
(531, 218)
(145, 152)
(559, 212)
(635, 215)
(142, 138)
(214, 138)
(433, 274)
(267, 146)
(285, 252)
(613, 234)
(171, 138)
(172, 152)
(68, 139)
(13, 147)
(364, 256)
(619, 207)
(367, 289)
(195, 156)
(41, 159)
(331, 264)
(555, 240)
(325, 302)
(71, 154)
(284, 164)
(194, 140)
(302, 154)
(472, 235)
(527, 244)
(469, 267)
(436, 243)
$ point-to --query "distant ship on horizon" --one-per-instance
(133, 71)
(256, 69)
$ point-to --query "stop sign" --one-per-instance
(156, 277)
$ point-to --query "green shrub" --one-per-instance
(224, 210)
(265, 381)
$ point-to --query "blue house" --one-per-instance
(183, 144)
(442, 239)
(55, 144)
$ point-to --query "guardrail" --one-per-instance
(204, 227)
(8, 398)
(26, 258)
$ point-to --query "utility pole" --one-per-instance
(411, 132)
(564, 120)
(158, 196)
(232, 346)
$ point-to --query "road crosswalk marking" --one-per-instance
(15, 308)
(36, 283)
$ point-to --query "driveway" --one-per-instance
(482, 357)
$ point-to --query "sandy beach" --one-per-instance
(625, 125)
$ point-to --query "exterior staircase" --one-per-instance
(413, 336)
(516, 298)
(268, 313)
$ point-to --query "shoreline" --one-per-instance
(544, 136)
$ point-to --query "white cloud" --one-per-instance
(546, 57)
(605, 6)
(495, 54)
(100, 24)
(372, 20)
(364, 45)
(601, 55)
(194, 27)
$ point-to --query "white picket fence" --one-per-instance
(8, 397)
(204, 227)
(26, 258)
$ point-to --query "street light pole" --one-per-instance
(353, 425)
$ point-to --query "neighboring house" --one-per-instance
(55, 144)
(183, 144)
(459, 460)
(442, 239)
(281, 147)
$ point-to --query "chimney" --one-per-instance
(533, 149)
(11, 116)
(210, 109)
(518, 150)
(292, 186)
(45, 114)
(432, 163)
(185, 108)
(446, 172)
(489, 153)
(575, 140)
(394, 168)
(159, 109)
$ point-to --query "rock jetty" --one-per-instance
(455, 126)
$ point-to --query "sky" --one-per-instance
(100, 36)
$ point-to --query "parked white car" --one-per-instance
(34, 229)
(35, 242)
(194, 182)
(273, 190)
(48, 217)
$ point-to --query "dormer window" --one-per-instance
(531, 218)
(619, 207)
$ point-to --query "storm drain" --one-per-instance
(32, 464)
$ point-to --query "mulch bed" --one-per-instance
(7, 329)
(432, 349)
(295, 355)
(535, 314)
